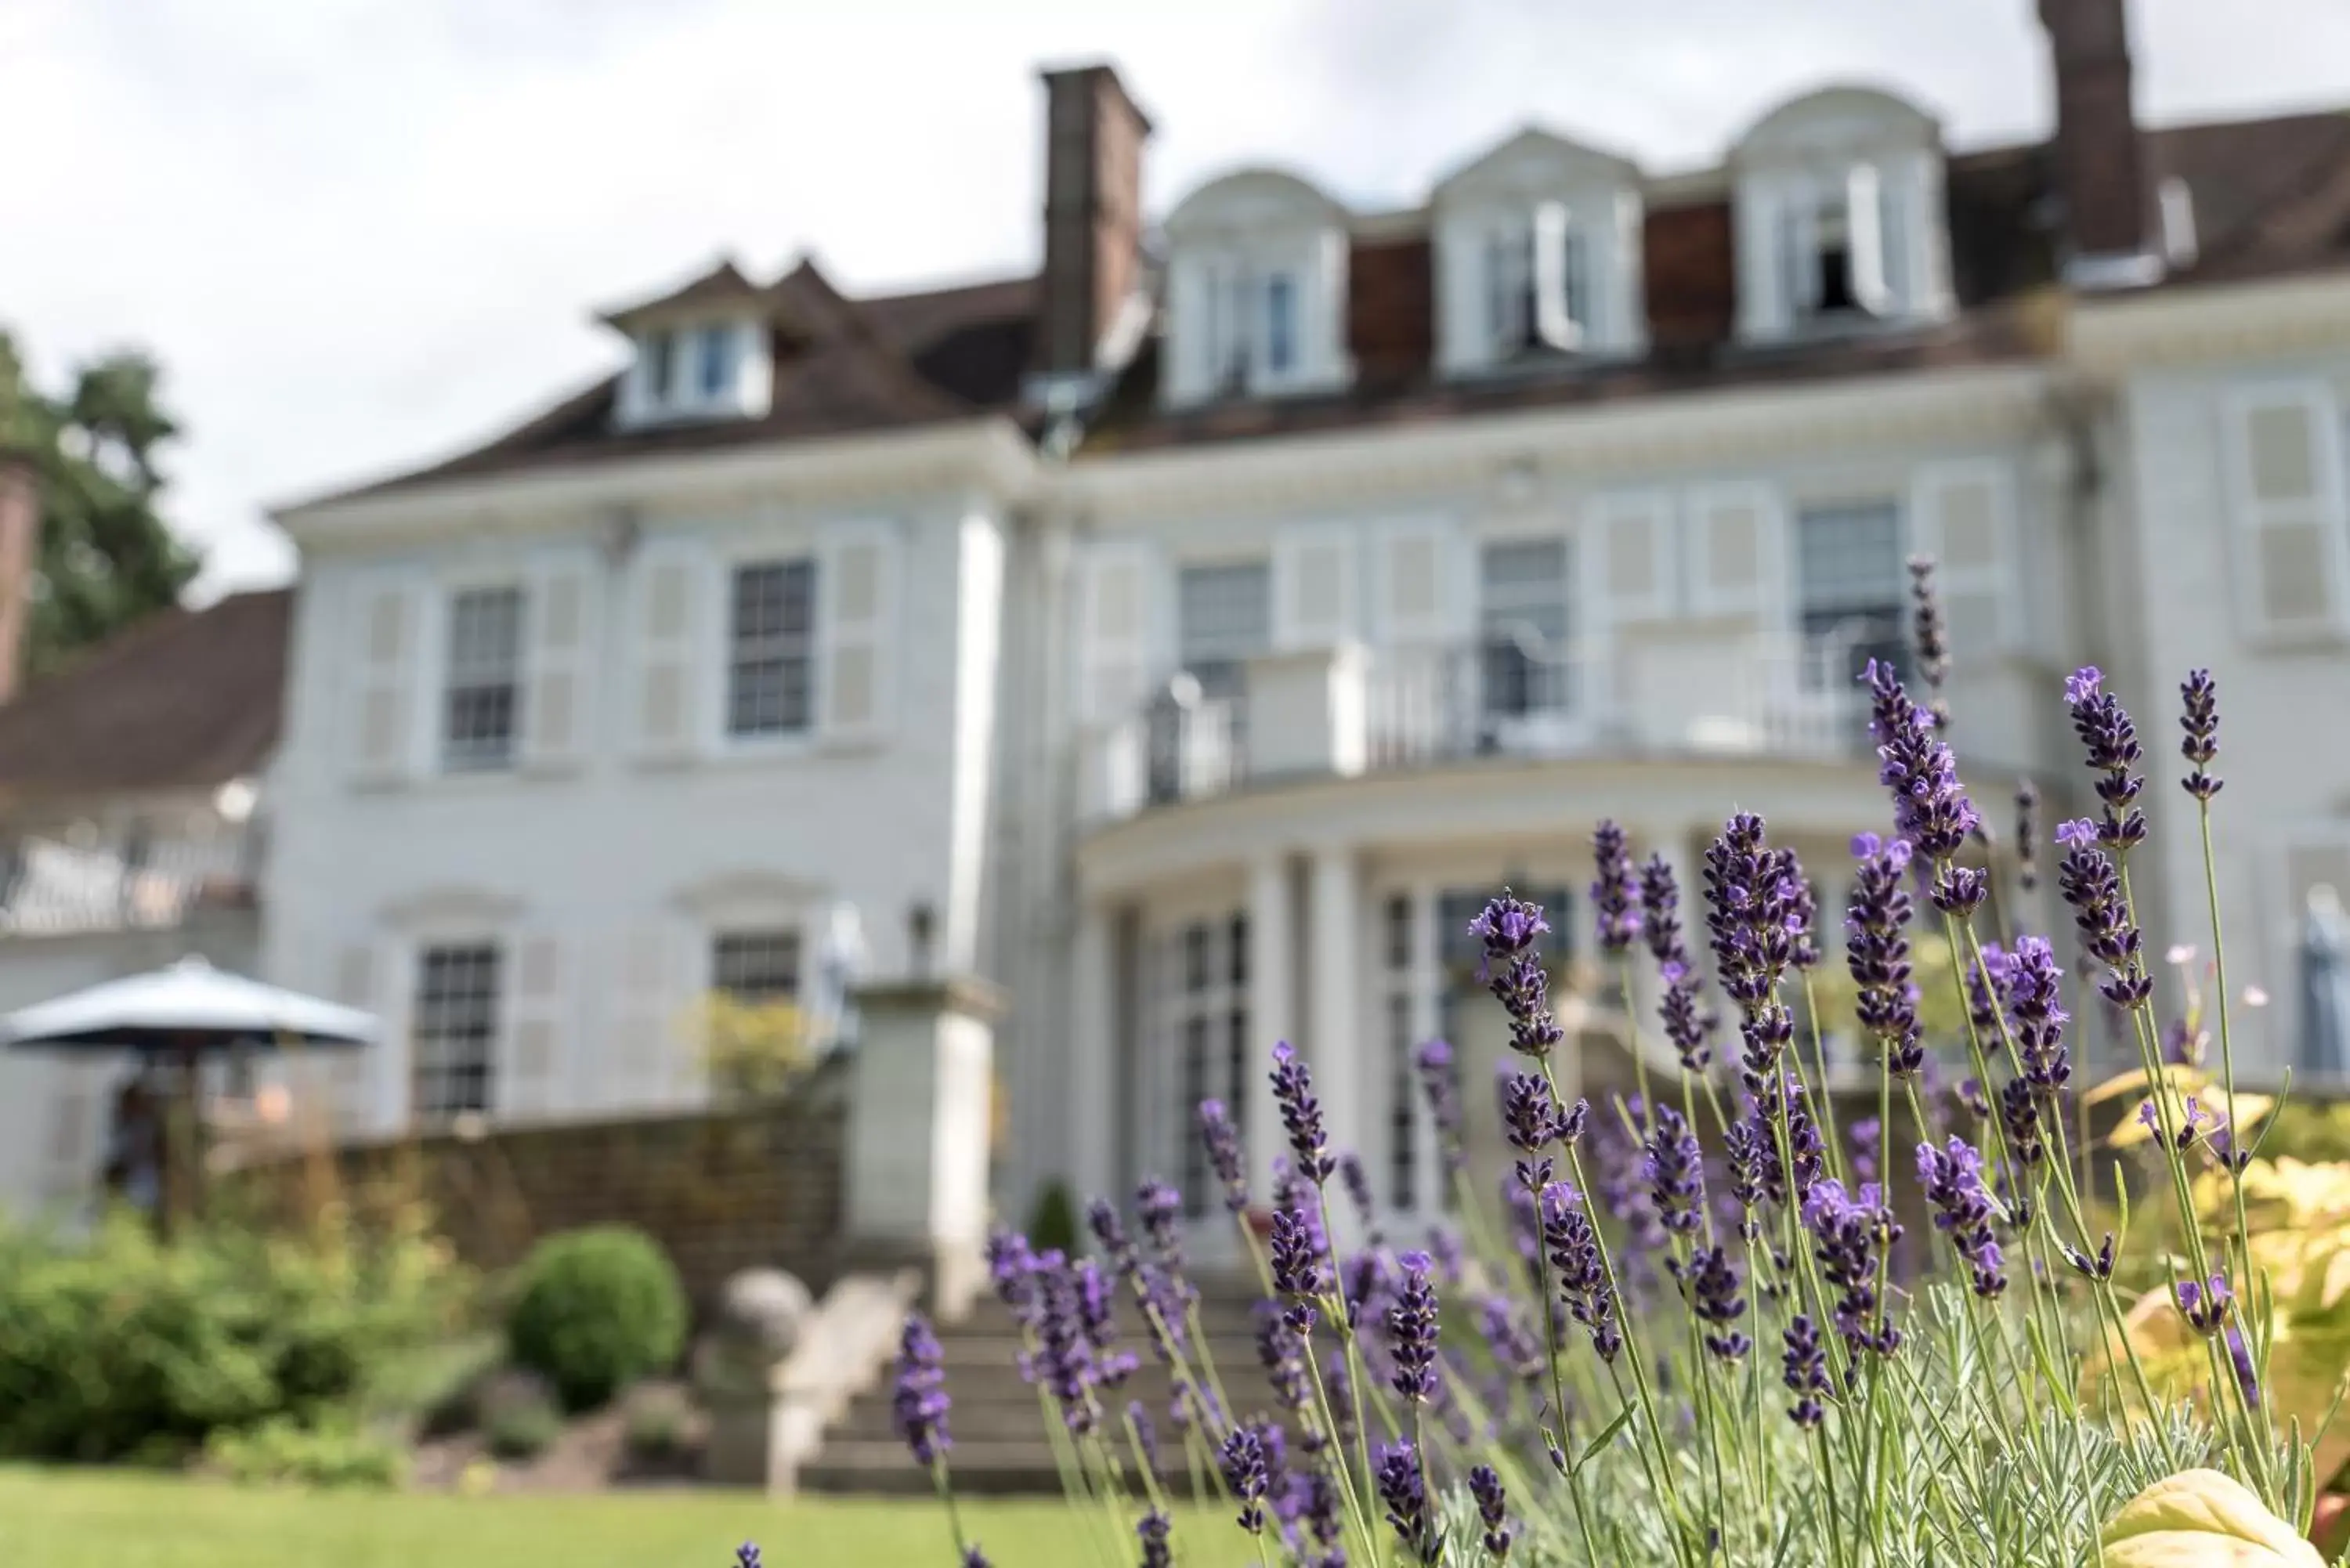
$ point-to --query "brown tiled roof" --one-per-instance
(841, 365)
(185, 699)
(2270, 196)
(722, 283)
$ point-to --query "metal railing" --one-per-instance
(1507, 696)
(85, 879)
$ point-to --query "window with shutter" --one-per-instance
(1632, 536)
(645, 1038)
(2293, 542)
(1524, 595)
(1851, 588)
(454, 1039)
(859, 630)
(385, 664)
(1733, 553)
(1412, 590)
(666, 701)
(1313, 571)
(1114, 632)
(1962, 518)
(1223, 618)
(556, 712)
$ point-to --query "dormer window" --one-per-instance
(1537, 258)
(697, 370)
(1836, 261)
(1256, 291)
(1839, 217)
(1537, 285)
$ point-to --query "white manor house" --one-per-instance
(1186, 635)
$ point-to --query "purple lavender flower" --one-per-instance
(1675, 1167)
(1686, 1023)
(1850, 1232)
(1404, 1489)
(1102, 1219)
(1930, 809)
(972, 1557)
(1952, 1177)
(2027, 836)
(1987, 989)
(1161, 1209)
(2099, 1266)
(2019, 1118)
(1578, 1271)
(1358, 1183)
(747, 1555)
(1531, 1119)
(1153, 1528)
(1615, 899)
(1412, 1330)
(1452, 1259)
(1223, 1143)
(2199, 696)
(2036, 1017)
(1439, 1085)
(1146, 1433)
(1011, 1269)
(1096, 1310)
(2239, 1356)
(1750, 1150)
(2111, 738)
(1927, 635)
(1713, 1290)
(1492, 1510)
(919, 1405)
(1802, 915)
(1065, 1356)
(2093, 887)
(1806, 1151)
(1513, 972)
(1513, 1346)
(1972, 1095)
(1301, 1114)
(1750, 922)
(1243, 1461)
(1806, 1371)
(2221, 1145)
(2184, 1136)
(1876, 950)
(1296, 1256)
(2205, 1306)
(1867, 1136)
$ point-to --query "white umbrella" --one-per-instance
(185, 1011)
(188, 1007)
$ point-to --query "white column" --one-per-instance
(1092, 1044)
(1334, 915)
(1273, 978)
(1427, 969)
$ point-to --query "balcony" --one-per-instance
(1345, 711)
(86, 879)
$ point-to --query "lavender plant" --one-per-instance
(1703, 1328)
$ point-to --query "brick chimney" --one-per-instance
(20, 536)
(2099, 155)
(1093, 220)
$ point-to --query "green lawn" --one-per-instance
(89, 1519)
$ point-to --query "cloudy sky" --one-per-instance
(362, 233)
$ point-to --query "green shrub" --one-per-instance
(116, 1347)
(1054, 1221)
(283, 1450)
(518, 1416)
(599, 1308)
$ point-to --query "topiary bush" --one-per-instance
(597, 1309)
(1053, 1223)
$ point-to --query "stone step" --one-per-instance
(979, 1468)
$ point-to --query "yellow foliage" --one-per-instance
(752, 1049)
(2202, 1519)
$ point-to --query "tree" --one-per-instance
(105, 559)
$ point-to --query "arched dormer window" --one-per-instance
(1537, 257)
(1256, 291)
(1840, 218)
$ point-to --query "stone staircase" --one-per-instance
(1000, 1444)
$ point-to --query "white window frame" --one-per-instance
(453, 591)
(1768, 602)
(1171, 1005)
(2001, 580)
(1600, 515)
(501, 1021)
(747, 556)
(1392, 630)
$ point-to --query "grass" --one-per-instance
(101, 1519)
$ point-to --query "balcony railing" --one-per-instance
(1345, 710)
(90, 879)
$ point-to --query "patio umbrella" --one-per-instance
(2325, 985)
(182, 1014)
